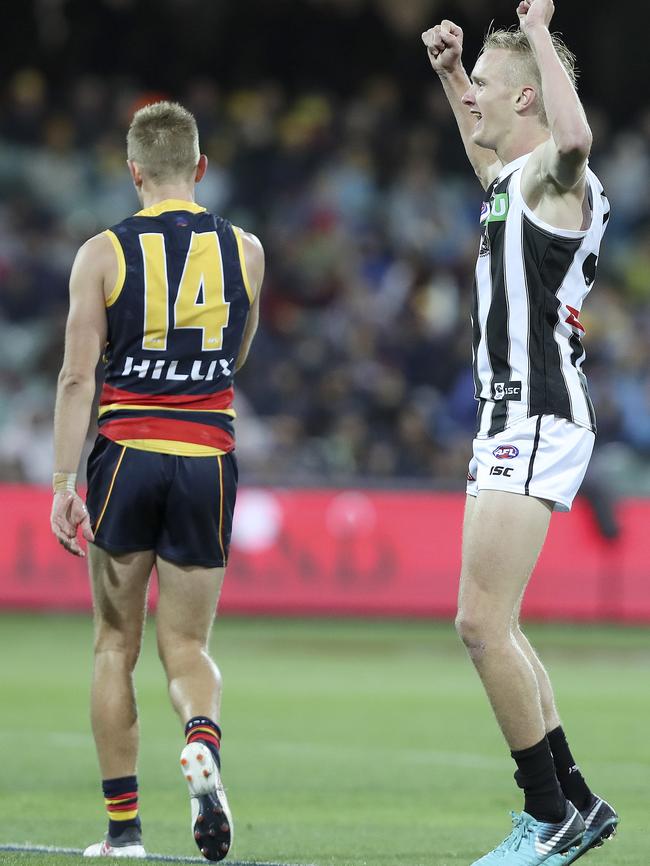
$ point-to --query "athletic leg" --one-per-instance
(503, 535)
(571, 779)
(119, 586)
(600, 818)
(550, 715)
(547, 697)
(186, 609)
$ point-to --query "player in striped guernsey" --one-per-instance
(170, 298)
(544, 214)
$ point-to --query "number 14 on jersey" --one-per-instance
(200, 301)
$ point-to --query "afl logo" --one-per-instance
(506, 452)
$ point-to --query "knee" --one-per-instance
(471, 629)
(121, 648)
(481, 632)
(177, 649)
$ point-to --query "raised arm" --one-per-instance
(560, 163)
(445, 46)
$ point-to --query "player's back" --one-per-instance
(176, 318)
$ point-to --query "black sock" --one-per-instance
(206, 731)
(121, 799)
(544, 799)
(571, 779)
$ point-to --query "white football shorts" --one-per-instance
(544, 456)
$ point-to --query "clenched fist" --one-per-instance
(534, 13)
(445, 45)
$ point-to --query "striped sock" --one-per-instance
(121, 799)
(204, 730)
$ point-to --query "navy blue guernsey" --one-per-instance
(176, 319)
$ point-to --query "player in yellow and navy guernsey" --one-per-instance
(169, 298)
(528, 140)
(168, 388)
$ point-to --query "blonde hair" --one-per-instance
(515, 40)
(163, 140)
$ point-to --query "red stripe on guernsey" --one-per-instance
(219, 400)
(167, 428)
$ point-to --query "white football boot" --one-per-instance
(129, 844)
(211, 823)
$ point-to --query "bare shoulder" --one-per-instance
(96, 264)
(97, 254)
(99, 247)
(253, 252)
(252, 244)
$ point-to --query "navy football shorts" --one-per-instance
(180, 507)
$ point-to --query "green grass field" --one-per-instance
(345, 743)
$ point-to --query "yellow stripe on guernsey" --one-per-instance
(121, 268)
(170, 204)
(242, 262)
(171, 446)
(111, 407)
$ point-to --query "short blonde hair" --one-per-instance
(163, 140)
(515, 40)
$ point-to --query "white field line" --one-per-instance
(164, 858)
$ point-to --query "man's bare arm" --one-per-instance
(445, 45)
(85, 340)
(562, 161)
(254, 259)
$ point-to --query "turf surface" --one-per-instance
(345, 743)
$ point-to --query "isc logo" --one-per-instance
(502, 470)
(506, 452)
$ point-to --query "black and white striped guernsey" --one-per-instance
(530, 283)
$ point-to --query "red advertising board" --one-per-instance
(367, 553)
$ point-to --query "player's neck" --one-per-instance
(522, 141)
(153, 195)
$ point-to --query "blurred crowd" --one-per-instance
(369, 215)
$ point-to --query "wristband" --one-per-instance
(64, 481)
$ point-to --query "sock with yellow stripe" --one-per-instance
(200, 728)
(121, 799)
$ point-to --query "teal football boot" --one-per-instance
(600, 823)
(532, 842)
